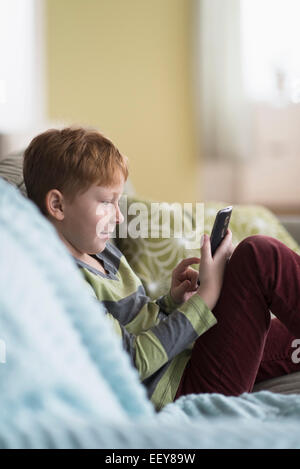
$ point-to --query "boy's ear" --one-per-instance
(54, 202)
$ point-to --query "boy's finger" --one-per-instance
(206, 248)
(186, 262)
(193, 276)
(228, 238)
(190, 260)
(225, 245)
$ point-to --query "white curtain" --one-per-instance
(222, 107)
(21, 64)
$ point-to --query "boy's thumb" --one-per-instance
(204, 243)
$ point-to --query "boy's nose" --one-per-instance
(116, 216)
(119, 216)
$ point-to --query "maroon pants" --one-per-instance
(247, 346)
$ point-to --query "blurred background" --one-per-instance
(203, 96)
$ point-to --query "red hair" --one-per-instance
(70, 160)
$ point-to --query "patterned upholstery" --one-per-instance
(11, 170)
(154, 258)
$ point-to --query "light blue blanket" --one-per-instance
(65, 380)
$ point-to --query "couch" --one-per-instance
(153, 259)
(66, 381)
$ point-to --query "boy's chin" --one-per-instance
(101, 242)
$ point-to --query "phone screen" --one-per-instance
(220, 228)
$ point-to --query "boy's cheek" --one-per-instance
(100, 226)
(105, 219)
(100, 211)
(103, 211)
(104, 224)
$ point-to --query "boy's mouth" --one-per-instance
(106, 233)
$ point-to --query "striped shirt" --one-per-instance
(158, 335)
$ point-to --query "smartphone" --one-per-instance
(220, 228)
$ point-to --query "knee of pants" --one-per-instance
(259, 243)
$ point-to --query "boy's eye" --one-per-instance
(106, 202)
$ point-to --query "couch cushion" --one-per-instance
(11, 169)
(287, 384)
(153, 259)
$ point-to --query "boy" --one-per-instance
(76, 177)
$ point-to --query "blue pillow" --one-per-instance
(59, 350)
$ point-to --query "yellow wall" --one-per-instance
(123, 66)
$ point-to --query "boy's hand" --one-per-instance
(184, 280)
(211, 270)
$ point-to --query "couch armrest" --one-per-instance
(292, 225)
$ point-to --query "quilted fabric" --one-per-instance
(60, 349)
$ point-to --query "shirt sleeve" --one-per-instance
(153, 332)
(166, 303)
(152, 348)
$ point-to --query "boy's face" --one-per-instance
(91, 217)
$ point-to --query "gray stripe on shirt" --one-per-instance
(127, 308)
(128, 344)
(175, 334)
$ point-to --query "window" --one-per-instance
(271, 49)
(20, 64)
